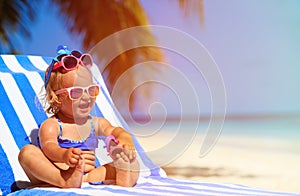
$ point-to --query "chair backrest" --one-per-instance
(21, 113)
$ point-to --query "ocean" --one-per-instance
(283, 131)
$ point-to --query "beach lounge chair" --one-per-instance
(21, 79)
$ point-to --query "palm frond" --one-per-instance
(15, 17)
(190, 7)
(95, 20)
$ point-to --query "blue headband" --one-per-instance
(61, 50)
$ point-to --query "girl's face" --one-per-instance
(80, 108)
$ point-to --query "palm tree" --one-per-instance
(15, 17)
(94, 20)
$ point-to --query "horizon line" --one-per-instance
(253, 116)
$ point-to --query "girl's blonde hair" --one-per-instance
(51, 101)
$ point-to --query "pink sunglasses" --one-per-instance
(76, 92)
(71, 62)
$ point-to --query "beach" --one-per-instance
(243, 154)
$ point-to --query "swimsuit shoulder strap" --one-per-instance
(60, 127)
(92, 124)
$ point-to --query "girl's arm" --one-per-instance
(119, 133)
(48, 134)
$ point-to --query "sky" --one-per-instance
(255, 45)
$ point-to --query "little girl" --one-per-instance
(66, 156)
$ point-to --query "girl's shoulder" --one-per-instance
(98, 120)
(50, 123)
(100, 124)
(50, 120)
(49, 130)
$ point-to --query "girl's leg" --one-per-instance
(40, 170)
(120, 172)
(105, 173)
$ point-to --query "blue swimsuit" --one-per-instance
(90, 143)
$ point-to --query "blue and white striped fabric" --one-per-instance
(21, 80)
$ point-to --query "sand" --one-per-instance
(255, 162)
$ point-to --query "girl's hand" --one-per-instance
(125, 140)
(72, 156)
(129, 151)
